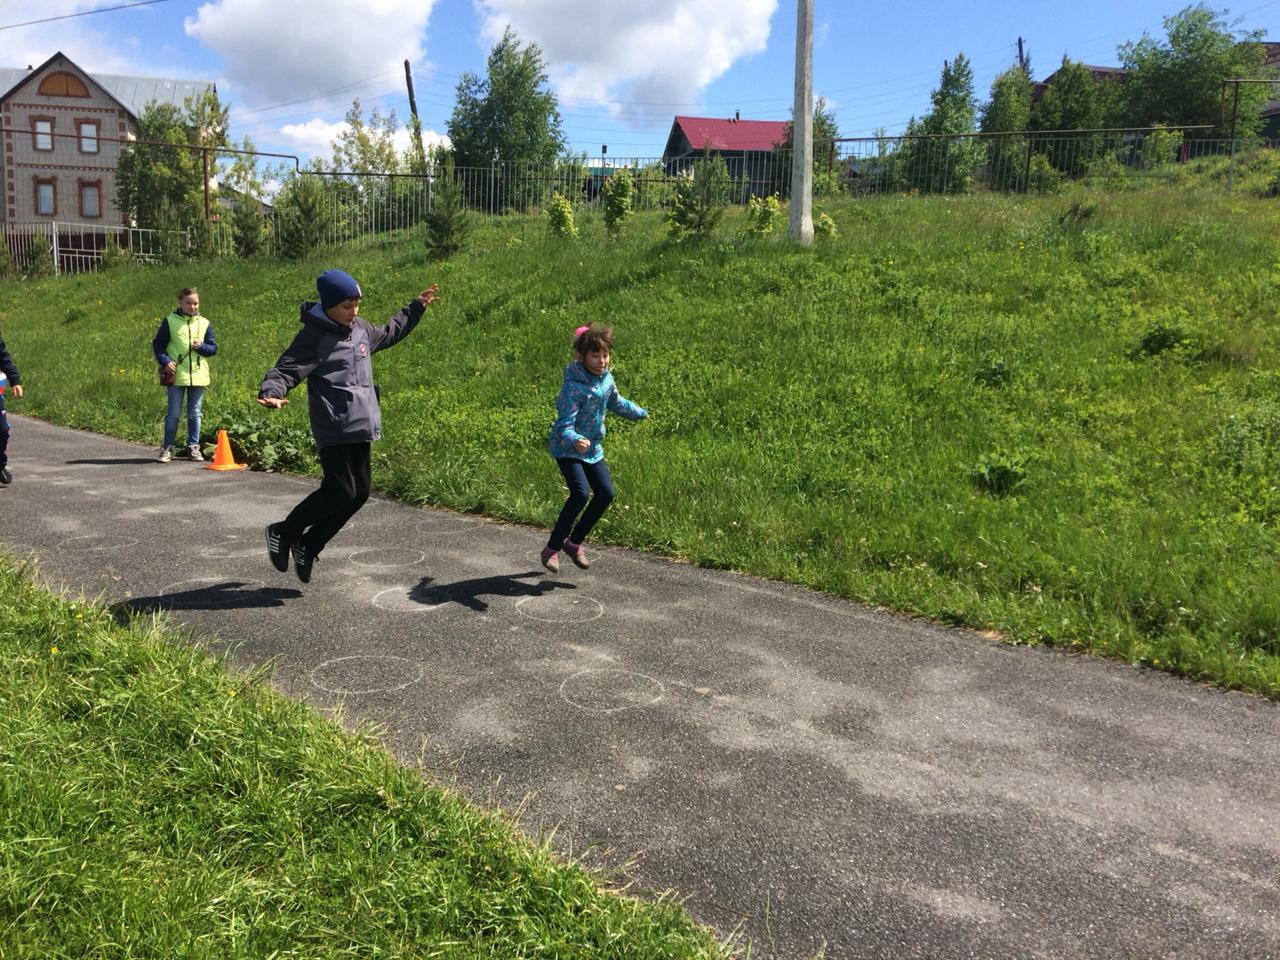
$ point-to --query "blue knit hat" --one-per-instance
(334, 286)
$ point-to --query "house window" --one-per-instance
(88, 136)
(42, 133)
(91, 199)
(63, 85)
(46, 198)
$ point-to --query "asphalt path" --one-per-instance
(812, 773)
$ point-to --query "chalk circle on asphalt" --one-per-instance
(560, 606)
(446, 525)
(400, 600)
(364, 674)
(234, 548)
(386, 557)
(96, 542)
(237, 589)
(610, 691)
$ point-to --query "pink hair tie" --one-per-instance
(581, 330)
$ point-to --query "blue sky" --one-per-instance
(622, 68)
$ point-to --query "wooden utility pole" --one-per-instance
(413, 109)
(800, 227)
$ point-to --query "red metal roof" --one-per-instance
(716, 134)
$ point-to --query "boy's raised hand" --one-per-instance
(429, 295)
(275, 403)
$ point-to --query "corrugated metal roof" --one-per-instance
(716, 134)
(134, 92)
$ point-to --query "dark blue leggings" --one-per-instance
(4, 434)
(584, 479)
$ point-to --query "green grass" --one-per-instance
(155, 804)
(1055, 418)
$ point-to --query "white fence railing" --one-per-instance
(56, 246)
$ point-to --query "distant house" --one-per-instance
(1099, 75)
(59, 147)
(1271, 112)
(747, 147)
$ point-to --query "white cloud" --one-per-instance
(316, 136)
(636, 58)
(85, 40)
(286, 50)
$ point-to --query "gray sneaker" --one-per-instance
(166, 454)
(193, 452)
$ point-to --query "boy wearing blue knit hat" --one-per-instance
(333, 352)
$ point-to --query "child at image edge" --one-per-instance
(333, 352)
(575, 442)
(8, 377)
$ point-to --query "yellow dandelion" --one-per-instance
(53, 649)
(231, 693)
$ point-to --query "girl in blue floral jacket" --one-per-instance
(575, 443)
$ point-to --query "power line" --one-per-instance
(83, 13)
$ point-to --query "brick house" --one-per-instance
(58, 150)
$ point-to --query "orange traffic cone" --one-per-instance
(222, 457)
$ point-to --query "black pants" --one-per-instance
(344, 489)
(583, 480)
(4, 434)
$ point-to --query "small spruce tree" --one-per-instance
(447, 223)
(700, 200)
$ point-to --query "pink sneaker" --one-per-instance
(577, 554)
(551, 559)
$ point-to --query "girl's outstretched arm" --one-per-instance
(624, 407)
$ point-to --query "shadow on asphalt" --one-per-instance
(115, 461)
(468, 592)
(230, 595)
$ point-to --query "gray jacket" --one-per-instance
(336, 363)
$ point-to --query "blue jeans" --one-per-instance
(195, 401)
(581, 476)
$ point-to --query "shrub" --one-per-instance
(824, 228)
(763, 215)
(39, 257)
(994, 373)
(560, 218)
(270, 443)
(1158, 337)
(654, 190)
(114, 255)
(616, 195)
(1043, 176)
(1000, 474)
(8, 267)
(447, 223)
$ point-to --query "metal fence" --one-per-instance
(56, 246)
(317, 210)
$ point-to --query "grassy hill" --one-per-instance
(1053, 418)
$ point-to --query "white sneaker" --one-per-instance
(194, 453)
(166, 454)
